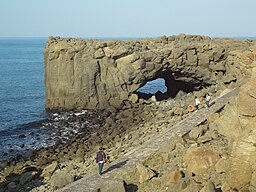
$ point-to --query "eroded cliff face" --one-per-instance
(97, 74)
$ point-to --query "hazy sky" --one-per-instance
(127, 18)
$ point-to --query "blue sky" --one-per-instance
(130, 18)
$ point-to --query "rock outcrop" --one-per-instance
(241, 162)
(98, 74)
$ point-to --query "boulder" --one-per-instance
(11, 186)
(112, 185)
(242, 162)
(229, 78)
(229, 117)
(61, 178)
(199, 160)
(99, 54)
(221, 166)
(253, 179)
(218, 67)
(205, 138)
(219, 54)
(196, 132)
(192, 187)
(134, 98)
(178, 186)
(208, 187)
(173, 177)
(48, 171)
(246, 100)
(203, 59)
(120, 52)
(145, 173)
(27, 177)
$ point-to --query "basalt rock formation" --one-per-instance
(99, 74)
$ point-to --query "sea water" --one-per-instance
(21, 82)
(22, 88)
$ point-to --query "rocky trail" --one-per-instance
(139, 154)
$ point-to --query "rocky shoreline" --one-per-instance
(58, 127)
(119, 132)
(207, 159)
(116, 130)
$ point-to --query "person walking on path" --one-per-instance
(207, 100)
(197, 102)
(100, 159)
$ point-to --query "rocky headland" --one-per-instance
(218, 154)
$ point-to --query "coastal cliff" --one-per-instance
(99, 74)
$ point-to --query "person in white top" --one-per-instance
(197, 102)
(207, 100)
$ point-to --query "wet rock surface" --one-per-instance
(56, 129)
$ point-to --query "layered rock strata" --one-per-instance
(98, 74)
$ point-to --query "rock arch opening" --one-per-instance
(166, 85)
(152, 87)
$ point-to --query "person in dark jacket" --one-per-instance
(100, 159)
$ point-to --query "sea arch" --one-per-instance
(97, 74)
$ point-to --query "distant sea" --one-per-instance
(22, 105)
(22, 100)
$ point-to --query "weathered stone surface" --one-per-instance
(213, 117)
(139, 174)
(61, 178)
(99, 54)
(11, 186)
(192, 187)
(48, 171)
(230, 118)
(174, 176)
(242, 162)
(196, 132)
(253, 179)
(246, 100)
(208, 187)
(27, 177)
(229, 78)
(178, 186)
(199, 160)
(99, 74)
(221, 166)
(134, 98)
(237, 123)
(111, 185)
(144, 173)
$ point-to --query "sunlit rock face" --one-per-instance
(98, 74)
(237, 124)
